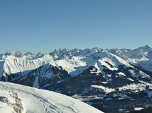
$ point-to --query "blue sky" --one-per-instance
(44, 25)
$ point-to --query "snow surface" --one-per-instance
(71, 65)
(138, 108)
(121, 74)
(105, 89)
(22, 99)
(133, 87)
(14, 64)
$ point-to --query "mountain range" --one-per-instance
(112, 80)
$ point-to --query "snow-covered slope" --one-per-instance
(21, 99)
(14, 64)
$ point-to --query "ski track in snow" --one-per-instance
(49, 104)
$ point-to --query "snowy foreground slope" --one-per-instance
(22, 99)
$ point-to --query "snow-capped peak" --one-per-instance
(145, 48)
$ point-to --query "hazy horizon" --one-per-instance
(51, 50)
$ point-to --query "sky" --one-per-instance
(45, 25)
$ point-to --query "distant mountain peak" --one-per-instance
(145, 48)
